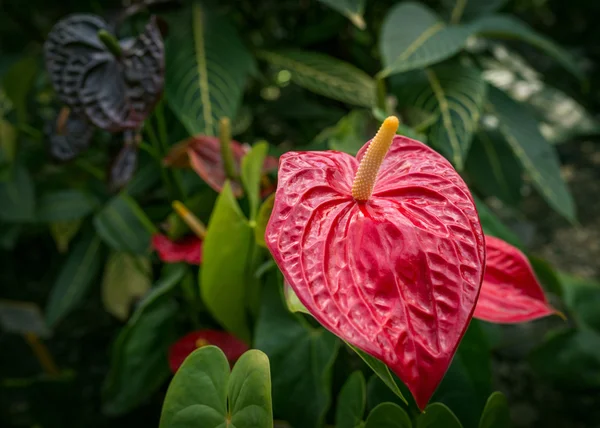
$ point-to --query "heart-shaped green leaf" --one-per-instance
(351, 402)
(388, 415)
(437, 415)
(203, 394)
(496, 413)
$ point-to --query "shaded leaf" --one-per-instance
(70, 138)
(65, 205)
(63, 232)
(17, 197)
(388, 415)
(496, 413)
(264, 213)
(351, 402)
(251, 174)
(325, 75)
(437, 415)
(22, 318)
(582, 297)
(350, 133)
(123, 166)
(8, 142)
(18, 81)
(493, 226)
(351, 9)
(466, 10)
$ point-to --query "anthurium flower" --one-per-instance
(232, 347)
(385, 250)
(187, 249)
(510, 292)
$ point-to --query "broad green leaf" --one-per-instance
(325, 75)
(468, 381)
(146, 176)
(301, 356)
(63, 231)
(455, 95)
(252, 171)
(413, 36)
(207, 67)
(350, 133)
(124, 226)
(65, 205)
(496, 413)
(537, 156)
(203, 394)
(75, 278)
(226, 256)
(262, 219)
(582, 297)
(17, 197)
(507, 27)
(9, 235)
(139, 363)
(126, 279)
(493, 167)
(466, 10)
(493, 226)
(351, 402)
(546, 274)
(17, 83)
(437, 415)
(569, 358)
(388, 415)
(351, 9)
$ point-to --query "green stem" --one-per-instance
(111, 43)
(381, 95)
(226, 153)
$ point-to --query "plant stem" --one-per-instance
(111, 43)
(226, 153)
(42, 354)
(381, 95)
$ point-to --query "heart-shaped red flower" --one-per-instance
(510, 292)
(187, 249)
(385, 251)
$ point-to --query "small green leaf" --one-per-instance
(351, 9)
(350, 133)
(537, 156)
(252, 171)
(139, 363)
(413, 36)
(388, 415)
(582, 297)
(291, 299)
(507, 27)
(437, 415)
(225, 261)
(262, 219)
(351, 402)
(126, 279)
(63, 232)
(123, 225)
(17, 197)
(65, 205)
(325, 75)
(547, 275)
(496, 413)
(75, 278)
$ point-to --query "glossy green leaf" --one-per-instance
(507, 27)
(75, 278)
(226, 256)
(301, 356)
(493, 226)
(126, 279)
(454, 94)
(262, 219)
(351, 9)
(493, 167)
(139, 363)
(124, 226)
(569, 358)
(388, 415)
(17, 83)
(325, 75)
(496, 413)
(63, 232)
(582, 297)
(17, 197)
(350, 133)
(252, 172)
(65, 205)
(203, 394)
(351, 402)
(537, 156)
(291, 299)
(437, 415)
(413, 36)
(207, 67)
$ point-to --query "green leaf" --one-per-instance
(493, 226)
(302, 357)
(63, 232)
(123, 225)
(8, 142)
(146, 176)
(264, 214)
(507, 27)
(351, 402)
(226, 256)
(203, 394)
(325, 75)
(17, 83)
(582, 297)
(437, 415)
(207, 67)
(252, 172)
(537, 156)
(546, 274)
(388, 415)
(75, 278)
(126, 279)
(139, 363)
(455, 95)
(494, 168)
(570, 358)
(350, 133)
(413, 36)
(65, 205)
(496, 413)
(17, 197)
(9, 235)
(471, 9)
(351, 9)
(291, 299)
